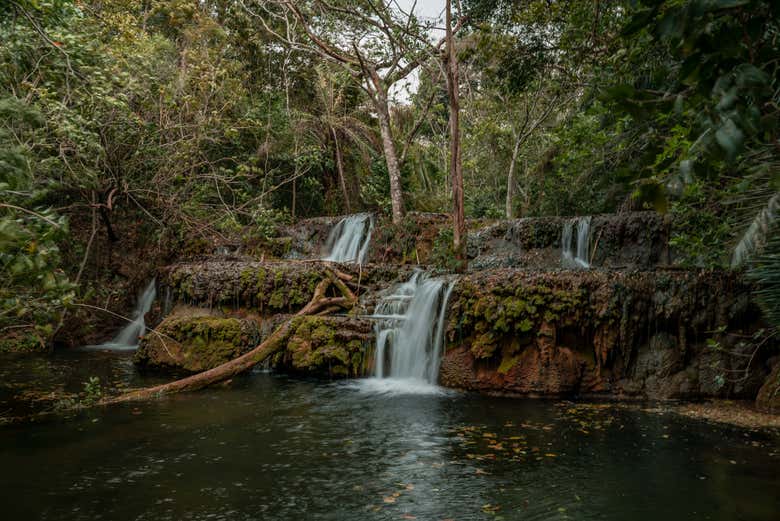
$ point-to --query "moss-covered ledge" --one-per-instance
(267, 288)
(646, 334)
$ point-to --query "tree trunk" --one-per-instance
(294, 194)
(510, 180)
(456, 167)
(391, 156)
(340, 166)
(319, 303)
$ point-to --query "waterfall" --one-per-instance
(127, 338)
(410, 329)
(348, 240)
(582, 257)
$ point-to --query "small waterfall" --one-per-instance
(127, 338)
(348, 240)
(582, 257)
(410, 329)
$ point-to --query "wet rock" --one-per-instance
(659, 334)
(330, 346)
(191, 340)
(195, 339)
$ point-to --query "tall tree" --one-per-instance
(373, 41)
(456, 166)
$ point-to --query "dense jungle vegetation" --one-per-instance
(177, 121)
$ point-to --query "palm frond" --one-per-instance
(759, 205)
(755, 237)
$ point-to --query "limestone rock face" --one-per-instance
(643, 334)
(193, 342)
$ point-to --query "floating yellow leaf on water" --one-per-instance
(551, 455)
(488, 435)
(388, 499)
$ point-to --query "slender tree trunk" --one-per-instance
(340, 166)
(391, 155)
(293, 197)
(456, 167)
(510, 180)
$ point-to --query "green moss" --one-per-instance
(198, 343)
(260, 290)
(507, 363)
(491, 318)
(277, 299)
(317, 346)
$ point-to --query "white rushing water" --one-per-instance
(348, 240)
(410, 335)
(128, 336)
(580, 259)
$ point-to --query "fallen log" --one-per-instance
(319, 303)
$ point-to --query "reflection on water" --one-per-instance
(274, 448)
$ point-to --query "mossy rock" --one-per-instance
(196, 343)
(333, 347)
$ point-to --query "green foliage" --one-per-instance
(33, 289)
(442, 254)
(702, 228)
(93, 391)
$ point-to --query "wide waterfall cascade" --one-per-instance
(128, 336)
(580, 259)
(410, 330)
(348, 240)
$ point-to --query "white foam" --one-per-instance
(397, 387)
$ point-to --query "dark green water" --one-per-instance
(274, 448)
